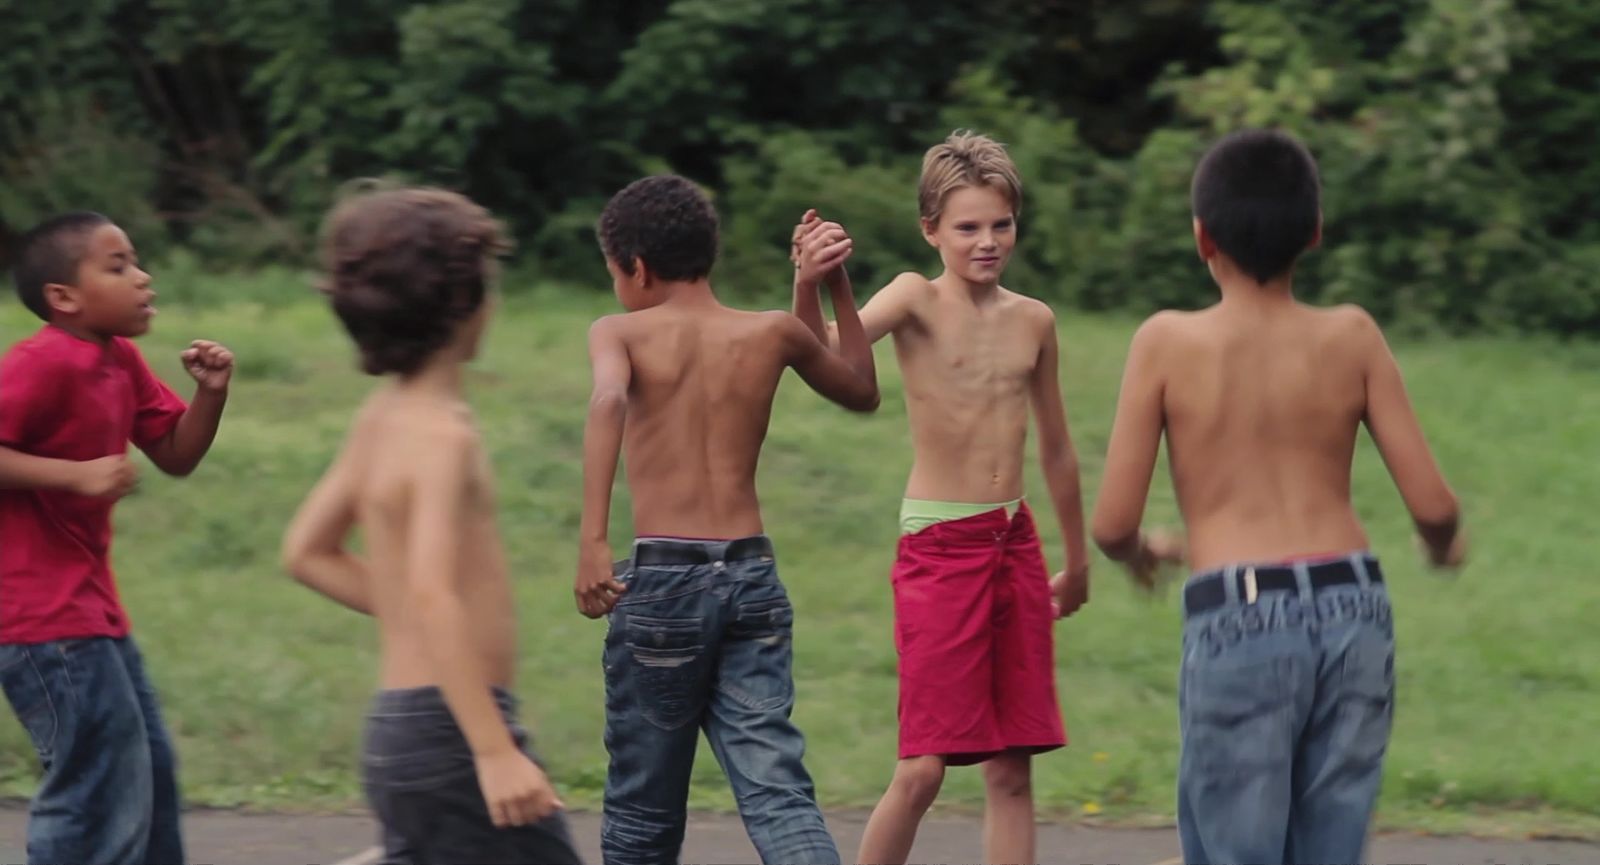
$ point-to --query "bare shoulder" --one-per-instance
(781, 325)
(1349, 319)
(434, 439)
(909, 287)
(1031, 308)
(610, 328)
(1349, 329)
(1169, 329)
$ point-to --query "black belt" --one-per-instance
(1209, 592)
(663, 552)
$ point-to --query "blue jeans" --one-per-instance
(701, 639)
(422, 781)
(109, 793)
(1286, 698)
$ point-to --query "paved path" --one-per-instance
(230, 838)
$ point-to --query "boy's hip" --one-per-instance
(972, 555)
(662, 569)
(1310, 610)
(1243, 585)
(411, 737)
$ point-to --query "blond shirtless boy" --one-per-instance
(447, 768)
(1287, 683)
(974, 603)
(700, 625)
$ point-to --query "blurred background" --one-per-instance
(1456, 137)
(1458, 154)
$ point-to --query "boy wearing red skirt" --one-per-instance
(974, 603)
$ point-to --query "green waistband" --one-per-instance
(918, 514)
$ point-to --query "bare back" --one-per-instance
(699, 401)
(968, 363)
(392, 435)
(1262, 414)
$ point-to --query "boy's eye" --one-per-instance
(966, 226)
(1002, 225)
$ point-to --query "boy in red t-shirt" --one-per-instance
(71, 398)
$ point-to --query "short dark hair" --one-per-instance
(664, 221)
(1258, 196)
(403, 268)
(50, 252)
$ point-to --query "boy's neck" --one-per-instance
(692, 292)
(978, 291)
(1240, 289)
(441, 377)
(80, 332)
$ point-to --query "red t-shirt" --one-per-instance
(68, 398)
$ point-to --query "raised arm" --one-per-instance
(1059, 461)
(314, 550)
(596, 589)
(1131, 456)
(1395, 430)
(186, 442)
(819, 248)
(845, 378)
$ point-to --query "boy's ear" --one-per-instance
(1203, 242)
(62, 298)
(1316, 236)
(641, 276)
(928, 228)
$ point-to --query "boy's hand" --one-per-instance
(1448, 559)
(596, 588)
(800, 230)
(516, 790)
(209, 364)
(1156, 551)
(819, 249)
(1069, 591)
(106, 478)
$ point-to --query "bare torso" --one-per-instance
(1262, 408)
(967, 363)
(699, 401)
(391, 431)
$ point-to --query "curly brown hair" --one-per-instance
(664, 221)
(403, 267)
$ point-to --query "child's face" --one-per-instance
(975, 234)
(112, 296)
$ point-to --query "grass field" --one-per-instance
(264, 682)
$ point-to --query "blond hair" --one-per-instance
(966, 159)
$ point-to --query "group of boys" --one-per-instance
(1287, 678)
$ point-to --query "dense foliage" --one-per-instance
(1456, 137)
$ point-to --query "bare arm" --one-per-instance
(1395, 430)
(1131, 454)
(819, 247)
(820, 252)
(1057, 457)
(180, 451)
(111, 476)
(596, 589)
(314, 544)
(30, 405)
(847, 378)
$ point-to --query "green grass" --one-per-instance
(265, 682)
